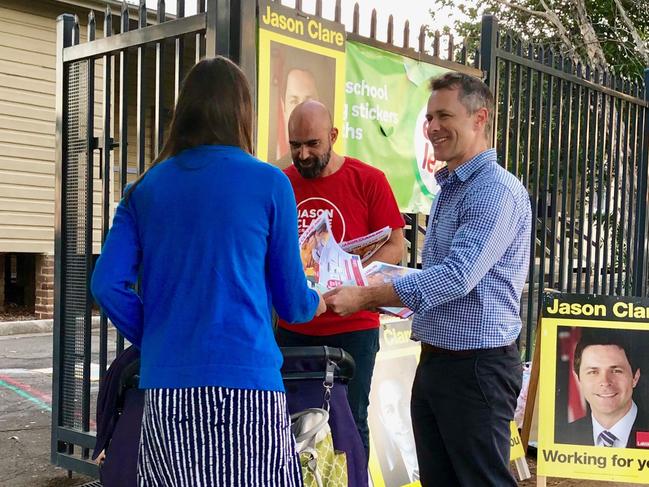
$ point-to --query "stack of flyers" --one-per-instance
(325, 264)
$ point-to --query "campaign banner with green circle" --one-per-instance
(385, 121)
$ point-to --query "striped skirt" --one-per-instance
(215, 436)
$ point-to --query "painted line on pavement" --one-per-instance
(28, 392)
(25, 395)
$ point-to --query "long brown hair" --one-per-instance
(214, 107)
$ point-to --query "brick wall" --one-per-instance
(44, 307)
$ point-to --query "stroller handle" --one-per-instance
(345, 365)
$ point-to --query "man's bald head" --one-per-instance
(311, 112)
(311, 135)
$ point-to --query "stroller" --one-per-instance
(316, 377)
(313, 377)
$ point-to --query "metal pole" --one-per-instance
(64, 27)
(488, 61)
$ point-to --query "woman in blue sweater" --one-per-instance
(212, 233)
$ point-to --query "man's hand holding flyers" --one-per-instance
(346, 300)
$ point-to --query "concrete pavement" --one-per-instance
(27, 327)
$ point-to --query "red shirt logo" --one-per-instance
(311, 208)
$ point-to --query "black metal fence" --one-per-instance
(578, 138)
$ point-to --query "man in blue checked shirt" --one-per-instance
(466, 300)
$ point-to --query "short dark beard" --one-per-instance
(315, 169)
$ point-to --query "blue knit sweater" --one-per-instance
(212, 232)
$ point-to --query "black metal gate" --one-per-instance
(137, 91)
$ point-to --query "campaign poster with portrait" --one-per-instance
(393, 459)
(301, 57)
(594, 388)
(386, 97)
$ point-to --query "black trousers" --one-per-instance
(461, 408)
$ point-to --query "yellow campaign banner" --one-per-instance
(593, 396)
(300, 58)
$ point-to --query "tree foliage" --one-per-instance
(612, 33)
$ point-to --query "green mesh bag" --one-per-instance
(322, 466)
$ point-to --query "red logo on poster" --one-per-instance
(642, 439)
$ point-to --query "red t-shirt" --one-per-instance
(359, 201)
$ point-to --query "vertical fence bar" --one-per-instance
(639, 284)
(506, 113)
(356, 19)
(200, 48)
(555, 120)
(594, 115)
(123, 105)
(633, 174)
(577, 128)
(91, 145)
(488, 60)
(106, 144)
(622, 259)
(529, 185)
(158, 130)
(451, 48)
(406, 35)
(218, 34)
(600, 159)
(545, 147)
(538, 227)
(611, 186)
(179, 53)
(64, 37)
(518, 83)
(422, 39)
(584, 179)
(412, 236)
(245, 29)
(141, 113)
(566, 131)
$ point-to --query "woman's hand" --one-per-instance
(322, 306)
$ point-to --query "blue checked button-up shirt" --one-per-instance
(475, 259)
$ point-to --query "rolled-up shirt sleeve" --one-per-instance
(487, 221)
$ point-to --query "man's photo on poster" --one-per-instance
(602, 393)
(296, 75)
(390, 423)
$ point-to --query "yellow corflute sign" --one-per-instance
(594, 388)
(393, 460)
(301, 58)
(517, 450)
